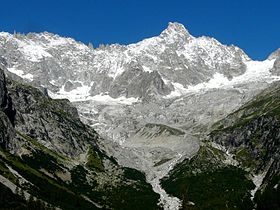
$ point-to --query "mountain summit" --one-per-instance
(176, 31)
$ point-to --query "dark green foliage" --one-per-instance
(11, 201)
(40, 160)
(79, 181)
(269, 198)
(4, 171)
(252, 134)
(132, 197)
(132, 193)
(133, 174)
(226, 188)
(94, 160)
(204, 181)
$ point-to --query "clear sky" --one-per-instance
(253, 25)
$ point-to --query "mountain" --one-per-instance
(152, 104)
(48, 153)
(238, 165)
(155, 66)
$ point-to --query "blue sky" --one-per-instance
(252, 25)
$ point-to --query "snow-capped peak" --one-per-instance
(175, 31)
(123, 70)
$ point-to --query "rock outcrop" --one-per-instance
(7, 111)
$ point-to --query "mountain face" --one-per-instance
(161, 106)
(154, 66)
(48, 153)
(244, 144)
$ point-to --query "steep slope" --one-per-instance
(243, 145)
(157, 64)
(252, 135)
(152, 101)
(51, 155)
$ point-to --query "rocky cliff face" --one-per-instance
(276, 67)
(54, 123)
(7, 111)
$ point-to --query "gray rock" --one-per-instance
(69, 86)
(7, 114)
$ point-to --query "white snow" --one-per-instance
(147, 69)
(178, 90)
(257, 180)
(32, 50)
(210, 51)
(6, 35)
(21, 74)
(78, 94)
(52, 82)
(255, 71)
(83, 94)
(106, 99)
(217, 81)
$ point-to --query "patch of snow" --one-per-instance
(217, 81)
(255, 71)
(106, 99)
(21, 74)
(28, 76)
(147, 69)
(82, 94)
(257, 180)
(179, 90)
(33, 51)
(6, 35)
(78, 94)
(52, 82)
